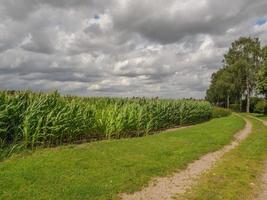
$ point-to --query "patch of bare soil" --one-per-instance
(164, 188)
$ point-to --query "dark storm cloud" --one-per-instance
(123, 47)
(19, 10)
(170, 21)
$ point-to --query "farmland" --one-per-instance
(31, 119)
(67, 147)
(102, 170)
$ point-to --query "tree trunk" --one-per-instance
(240, 104)
(228, 101)
(248, 96)
(248, 103)
(265, 108)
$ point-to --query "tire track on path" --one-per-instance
(165, 188)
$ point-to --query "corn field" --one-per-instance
(35, 119)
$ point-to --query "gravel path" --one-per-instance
(164, 188)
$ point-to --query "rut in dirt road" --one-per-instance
(165, 188)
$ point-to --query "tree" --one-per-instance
(214, 93)
(262, 76)
(245, 55)
(226, 83)
(221, 88)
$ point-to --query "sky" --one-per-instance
(165, 48)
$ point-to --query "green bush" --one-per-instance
(261, 107)
(235, 107)
(34, 119)
(220, 112)
(253, 102)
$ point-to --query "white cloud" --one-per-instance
(121, 48)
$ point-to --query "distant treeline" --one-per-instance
(243, 75)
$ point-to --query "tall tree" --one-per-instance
(246, 55)
(222, 87)
(262, 75)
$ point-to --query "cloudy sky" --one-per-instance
(166, 48)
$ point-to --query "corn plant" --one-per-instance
(37, 119)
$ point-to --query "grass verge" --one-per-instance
(260, 116)
(101, 170)
(236, 176)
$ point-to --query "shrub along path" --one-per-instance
(165, 188)
(101, 170)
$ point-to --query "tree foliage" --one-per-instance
(241, 74)
(262, 75)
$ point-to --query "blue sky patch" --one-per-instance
(261, 21)
(96, 17)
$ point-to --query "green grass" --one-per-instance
(260, 116)
(263, 117)
(236, 176)
(101, 170)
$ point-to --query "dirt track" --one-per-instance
(164, 188)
